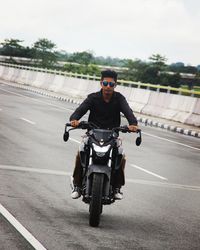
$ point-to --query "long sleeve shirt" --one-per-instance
(106, 115)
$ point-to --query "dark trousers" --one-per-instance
(118, 177)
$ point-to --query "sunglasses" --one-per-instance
(111, 84)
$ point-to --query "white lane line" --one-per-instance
(26, 120)
(35, 170)
(164, 139)
(134, 181)
(74, 140)
(36, 100)
(21, 229)
(149, 172)
(164, 184)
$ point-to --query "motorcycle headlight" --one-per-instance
(100, 151)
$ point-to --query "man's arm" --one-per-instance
(128, 113)
(80, 111)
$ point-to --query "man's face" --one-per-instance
(108, 84)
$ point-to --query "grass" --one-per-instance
(195, 88)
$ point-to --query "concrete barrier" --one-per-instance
(184, 106)
(174, 107)
(23, 77)
(124, 91)
(93, 86)
(169, 106)
(138, 99)
(1, 70)
(31, 76)
(158, 105)
(194, 118)
(39, 81)
(57, 83)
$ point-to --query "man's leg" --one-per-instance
(119, 179)
(77, 175)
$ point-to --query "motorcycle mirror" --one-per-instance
(138, 141)
(66, 136)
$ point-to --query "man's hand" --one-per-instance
(133, 128)
(74, 123)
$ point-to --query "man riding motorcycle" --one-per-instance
(105, 107)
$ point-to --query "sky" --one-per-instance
(117, 28)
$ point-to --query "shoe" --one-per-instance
(117, 194)
(76, 193)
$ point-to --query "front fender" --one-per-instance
(103, 169)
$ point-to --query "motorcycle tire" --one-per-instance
(96, 200)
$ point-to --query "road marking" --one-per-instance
(0, 109)
(36, 100)
(133, 181)
(74, 140)
(26, 120)
(149, 172)
(21, 229)
(35, 170)
(164, 184)
(164, 139)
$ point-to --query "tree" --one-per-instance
(158, 60)
(11, 47)
(135, 69)
(85, 57)
(172, 80)
(44, 50)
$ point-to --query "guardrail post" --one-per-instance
(158, 88)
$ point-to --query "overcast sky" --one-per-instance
(117, 28)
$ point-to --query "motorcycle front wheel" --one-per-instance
(96, 199)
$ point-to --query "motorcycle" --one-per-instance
(101, 156)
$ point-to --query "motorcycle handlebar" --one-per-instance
(83, 125)
(90, 125)
(87, 125)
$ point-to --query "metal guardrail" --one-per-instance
(154, 87)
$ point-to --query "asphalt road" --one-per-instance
(160, 209)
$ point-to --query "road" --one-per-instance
(160, 209)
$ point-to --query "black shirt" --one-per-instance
(105, 115)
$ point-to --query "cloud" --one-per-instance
(128, 28)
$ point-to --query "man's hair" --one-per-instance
(109, 73)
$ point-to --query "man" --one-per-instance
(105, 107)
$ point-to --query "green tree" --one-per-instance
(135, 69)
(158, 60)
(44, 52)
(172, 80)
(11, 47)
(85, 57)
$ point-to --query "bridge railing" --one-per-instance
(148, 86)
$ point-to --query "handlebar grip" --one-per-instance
(68, 124)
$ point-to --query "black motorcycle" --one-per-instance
(101, 156)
